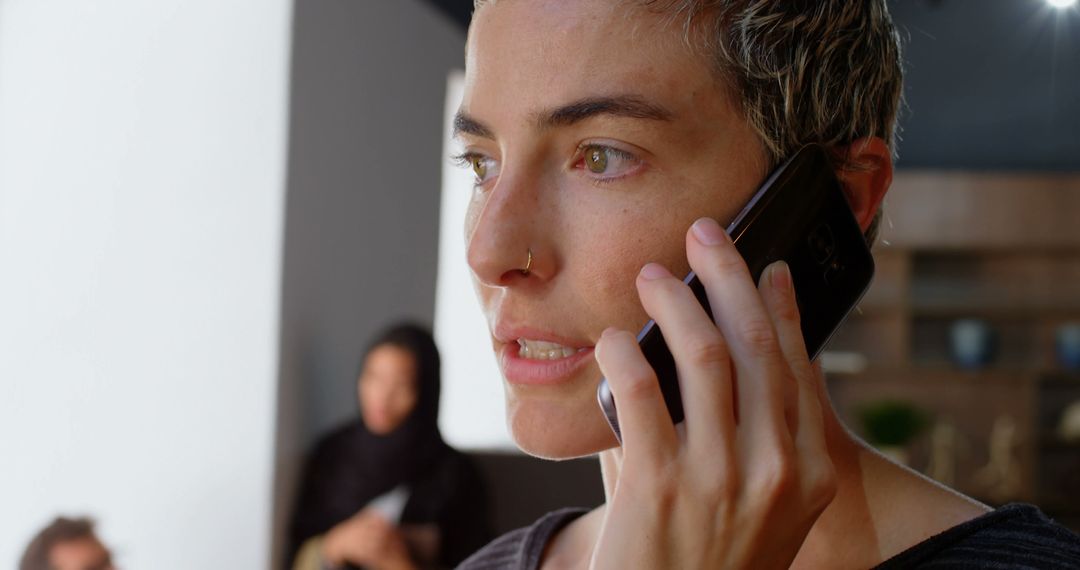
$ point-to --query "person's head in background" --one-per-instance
(399, 380)
(609, 126)
(67, 544)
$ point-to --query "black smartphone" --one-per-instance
(799, 215)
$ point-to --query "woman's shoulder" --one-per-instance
(1014, 536)
(522, 549)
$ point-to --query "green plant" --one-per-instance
(892, 422)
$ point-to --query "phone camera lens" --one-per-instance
(822, 243)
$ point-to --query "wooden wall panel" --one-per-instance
(948, 210)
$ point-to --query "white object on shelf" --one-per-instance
(1069, 429)
(843, 362)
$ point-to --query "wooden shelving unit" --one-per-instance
(1001, 248)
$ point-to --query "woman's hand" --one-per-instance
(741, 482)
(366, 539)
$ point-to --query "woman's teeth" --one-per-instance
(540, 350)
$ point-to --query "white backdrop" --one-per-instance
(472, 411)
(141, 192)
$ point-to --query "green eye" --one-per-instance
(596, 159)
(479, 167)
(483, 167)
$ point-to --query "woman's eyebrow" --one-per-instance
(466, 125)
(630, 106)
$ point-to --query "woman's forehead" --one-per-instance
(525, 58)
(390, 357)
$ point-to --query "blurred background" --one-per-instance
(207, 208)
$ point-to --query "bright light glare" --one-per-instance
(1061, 3)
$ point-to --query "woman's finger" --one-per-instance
(778, 292)
(806, 420)
(746, 326)
(647, 430)
(818, 474)
(701, 357)
(810, 434)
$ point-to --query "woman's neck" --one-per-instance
(864, 512)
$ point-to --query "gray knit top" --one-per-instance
(1016, 536)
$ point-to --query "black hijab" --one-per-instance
(352, 466)
(383, 462)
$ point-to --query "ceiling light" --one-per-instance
(1061, 3)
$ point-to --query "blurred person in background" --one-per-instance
(67, 544)
(385, 491)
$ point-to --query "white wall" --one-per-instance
(141, 192)
(473, 408)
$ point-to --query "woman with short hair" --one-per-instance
(612, 141)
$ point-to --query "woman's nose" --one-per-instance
(504, 246)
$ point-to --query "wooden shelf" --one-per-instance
(1055, 443)
(982, 211)
(943, 371)
(1004, 248)
(1060, 379)
(944, 310)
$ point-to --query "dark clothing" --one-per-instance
(521, 549)
(1015, 536)
(449, 492)
(352, 466)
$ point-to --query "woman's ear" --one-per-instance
(865, 174)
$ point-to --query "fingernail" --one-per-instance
(708, 232)
(600, 342)
(654, 271)
(780, 276)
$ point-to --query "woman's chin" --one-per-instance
(557, 428)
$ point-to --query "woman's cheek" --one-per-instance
(611, 263)
(472, 216)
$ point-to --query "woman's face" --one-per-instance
(387, 388)
(597, 138)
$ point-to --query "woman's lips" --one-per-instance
(519, 370)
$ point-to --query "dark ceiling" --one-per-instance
(989, 84)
